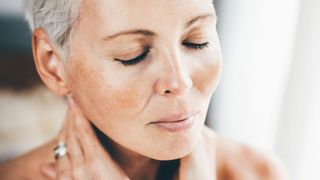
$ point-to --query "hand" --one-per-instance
(200, 163)
(86, 158)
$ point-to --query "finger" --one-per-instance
(76, 155)
(92, 149)
(86, 136)
(94, 154)
(64, 168)
(79, 170)
(63, 163)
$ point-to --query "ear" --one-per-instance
(49, 63)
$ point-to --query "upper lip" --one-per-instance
(175, 118)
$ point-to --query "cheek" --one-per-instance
(207, 77)
(103, 96)
(127, 95)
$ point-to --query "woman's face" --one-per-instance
(133, 63)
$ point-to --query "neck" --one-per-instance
(134, 165)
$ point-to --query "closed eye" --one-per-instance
(134, 60)
(195, 45)
(142, 56)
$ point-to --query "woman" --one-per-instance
(138, 76)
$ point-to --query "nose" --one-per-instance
(174, 78)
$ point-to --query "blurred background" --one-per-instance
(269, 95)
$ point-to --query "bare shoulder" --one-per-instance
(239, 161)
(28, 165)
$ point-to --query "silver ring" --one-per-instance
(60, 150)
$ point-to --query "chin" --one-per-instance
(176, 148)
(175, 153)
(176, 145)
(172, 155)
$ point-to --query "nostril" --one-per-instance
(167, 92)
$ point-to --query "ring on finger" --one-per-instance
(60, 150)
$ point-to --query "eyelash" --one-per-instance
(196, 46)
(142, 56)
(134, 60)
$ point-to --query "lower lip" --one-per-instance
(176, 126)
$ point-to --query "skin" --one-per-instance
(127, 99)
(122, 100)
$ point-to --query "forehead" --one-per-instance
(115, 15)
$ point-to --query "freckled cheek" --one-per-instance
(119, 103)
(126, 98)
(110, 97)
(207, 76)
(102, 96)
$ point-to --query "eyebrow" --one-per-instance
(131, 32)
(146, 32)
(197, 18)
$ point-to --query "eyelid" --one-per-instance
(133, 52)
(198, 30)
(197, 40)
(135, 60)
(128, 56)
(133, 57)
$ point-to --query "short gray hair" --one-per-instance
(56, 17)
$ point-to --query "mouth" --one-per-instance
(176, 123)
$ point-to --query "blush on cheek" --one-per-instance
(94, 87)
(206, 80)
(120, 97)
(126, 97)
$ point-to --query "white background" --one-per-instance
(269, 96)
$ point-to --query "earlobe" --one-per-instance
(49, 63)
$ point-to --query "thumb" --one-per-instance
(49, 170)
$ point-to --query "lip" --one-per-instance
(176, 122)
